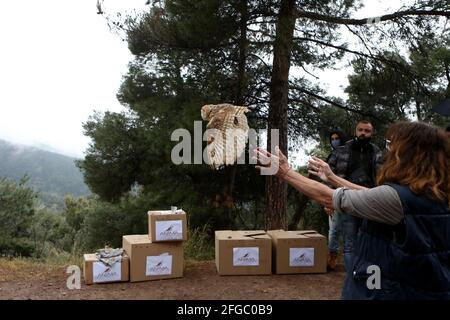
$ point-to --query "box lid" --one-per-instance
(164, 212)
(304, 234)
(137, 239)
(92, 257)
(241, 235)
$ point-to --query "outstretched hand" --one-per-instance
(319, 168)
(279, 161)
(266, 160)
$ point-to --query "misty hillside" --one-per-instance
(52, 174)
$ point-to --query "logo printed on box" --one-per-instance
(301, 257)
(159, 265)
(169, 230)
(246, 256)
(104, 273)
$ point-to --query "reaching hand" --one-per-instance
(278, 160)
(319, 168)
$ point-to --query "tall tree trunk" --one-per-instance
(276, 191)
(418, 105)
(238, 95)
(418, 111)
(243, 44)
(447, 73)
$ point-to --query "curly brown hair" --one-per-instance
(419, 158)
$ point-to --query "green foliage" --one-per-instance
(95, 223)
(403, 87)
(193, 52)
(200, 245)
(27, 228)
(16, 214)
(13, 247)
(135, 149)
(189, 53)
(50, 234)
(16, 208)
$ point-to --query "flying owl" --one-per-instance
(227, 142)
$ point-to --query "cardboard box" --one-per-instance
(167, 225)
(153, 261)
(95, 271)
(298, 251)
(243, 252)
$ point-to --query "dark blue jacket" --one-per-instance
(413, 256)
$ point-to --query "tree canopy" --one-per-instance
(261, 54)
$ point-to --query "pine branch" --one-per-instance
(336, 104)
(323, 43)
(393, 63)
(360, 38)
(260, 59)
(303, 102)
(258, 99)
(312, 75)
(371, 20)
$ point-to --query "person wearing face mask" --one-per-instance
(357, 161)
(337, 139)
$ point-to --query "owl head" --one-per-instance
(206, 111)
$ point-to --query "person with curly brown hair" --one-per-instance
(405, 233)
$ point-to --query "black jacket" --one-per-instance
(340, 160)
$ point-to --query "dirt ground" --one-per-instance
(200, 281)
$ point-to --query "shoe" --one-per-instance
(332, 261)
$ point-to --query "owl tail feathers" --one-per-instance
(213, 156)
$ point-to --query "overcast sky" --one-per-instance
(59, 62)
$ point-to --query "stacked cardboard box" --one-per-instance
(153, 261)
(158, 254)
(243, 252)
(298, 251)
(167, 225)
(153, 256)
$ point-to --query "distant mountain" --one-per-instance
(53, 175)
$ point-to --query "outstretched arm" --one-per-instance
(380, 204)
(311, 188)
(321, 169)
